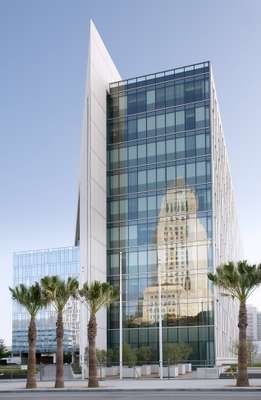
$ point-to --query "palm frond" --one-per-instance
(97, 295)
(58, 291)
(238, 280)
(31, 297)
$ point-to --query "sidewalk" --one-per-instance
(139, 384)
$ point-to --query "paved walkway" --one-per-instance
(146, 384)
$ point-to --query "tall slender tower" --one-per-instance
(91, 220)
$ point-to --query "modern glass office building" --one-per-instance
(160, 208)
(155, 186)
(29, 267)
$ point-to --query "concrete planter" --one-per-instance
(155, 369)
(112, 371)
(131, 372)
(101, 372)
(188, 367)
(172, 371)
(146, 370)
(182, 369)
(207, 373)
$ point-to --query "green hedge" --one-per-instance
(12, 373)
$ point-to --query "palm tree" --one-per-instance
(33, 300)
(239, 280)
(96, 295)
(58, 292)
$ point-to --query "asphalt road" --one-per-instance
(137, 395)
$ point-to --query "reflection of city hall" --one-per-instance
(183, 285)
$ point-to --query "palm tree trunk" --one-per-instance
(31, 365)
(59, 381)
(242, 377)
(92, 332)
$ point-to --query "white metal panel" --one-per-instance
(101, 71)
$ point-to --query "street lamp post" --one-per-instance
(160, 327)
(120, 315)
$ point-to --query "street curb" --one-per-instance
(103, 390)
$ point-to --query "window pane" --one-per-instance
(133, 181)
(199, 89)
(151, 179)
(200, 117)
(190, 146)
(133, 262)
(179, 93)
(189, 91)
(114, 184)
(160, 177)
(201, 171)
(170, 148)
(180, 174)
(170, 122)
(151, 126)
(160, 122)
(133, 234)
(160, 97)
(190, 118)
(132, 129)
(123, 154)
(114, 157)
(200, 144)
(150, 99)
(123, 130)
(161, 151)
(180, 120)
(170, 95)
(131, 102)
(206, 88)
(141, 127)
(133, 208)
(151, 152)
(123, 208)
(171, 176)
(191, 171)
(115, 210)
(122, 103)
(123, 236)
(142, 180)
(142, 234)
(152, 205)
(132, 151)
(142, 207)
(142, 153)
(141, 100)
(180, 147)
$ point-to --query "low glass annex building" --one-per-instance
(29, 267)
(155, 187)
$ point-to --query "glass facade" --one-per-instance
(159, 210)
(30, 267)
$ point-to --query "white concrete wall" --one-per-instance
(226, 236)
(100, 72)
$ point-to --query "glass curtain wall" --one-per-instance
(159, 210)
(30, 267)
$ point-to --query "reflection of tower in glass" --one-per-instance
(183, 281)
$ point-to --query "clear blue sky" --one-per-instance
(42, 76)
